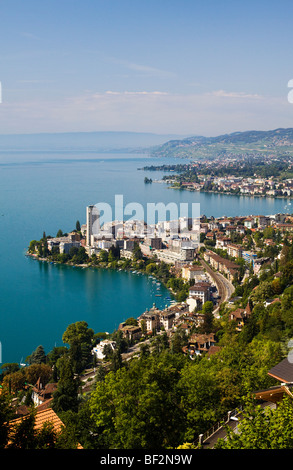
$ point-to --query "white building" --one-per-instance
(99, 349)
(92, 223)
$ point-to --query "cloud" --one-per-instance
(136, 93)
(35, 81)
(147, 111)
(145, 70)
(233, 94)
(29, 36)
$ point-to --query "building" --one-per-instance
(222, 265)
(156, 319)
(222, 242)
(240, 316)
(154, 242)
(64, 246)
(199, 344)
(151, 319)
(92, 223)
(42, 417)
(167, 319)
(192, 272)
(187, 253)
(131, 332)
(200, 290)
(64, 243)
(283, 372)
(41, 394)
(98, 350)
(234, 250)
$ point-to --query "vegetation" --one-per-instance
(161, 398)
(238, 144)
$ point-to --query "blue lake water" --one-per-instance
(50, 191)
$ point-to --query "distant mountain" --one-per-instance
(83, 141)
(278, 141)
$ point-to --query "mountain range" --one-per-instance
(278, 141)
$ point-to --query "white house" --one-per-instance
(99, 349)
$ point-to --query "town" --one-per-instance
(230, 280)
(210, 256)
(246, 174)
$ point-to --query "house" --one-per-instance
(240, 316)
(167, 319)
(200, 290)
(42, 417)
(222, 242)
(199, 344)
(42, 393)
(248, 222)
(131, 332)
(151, 318)
(192, 272)
(282, 372)
(258, 263)
(221, 264)
(234, 250)
(194, 303)
(98, 350)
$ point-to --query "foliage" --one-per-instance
(66, 396)
(37, 357)
(261, 428)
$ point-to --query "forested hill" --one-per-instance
(278, 142)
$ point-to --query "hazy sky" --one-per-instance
(196, 67)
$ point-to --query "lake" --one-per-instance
(50, 191)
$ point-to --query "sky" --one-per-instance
(190, 67)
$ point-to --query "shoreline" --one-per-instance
(229, 193)
(117, 269)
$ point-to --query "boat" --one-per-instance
(22, 364)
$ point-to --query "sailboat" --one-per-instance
(22, 364)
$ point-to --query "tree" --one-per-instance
(22, 436)
(79, 332)
(207, 310)
(59, 233)
(6, 413)
(80, 255)
(80, 339)
(137, 253)
(38, 356)
(77, 225)
(73, 251)
(131, 321)
(103, 255)
(178, 340)
(148, 386)
(66, 396)
(262, 428)
(114, 253)
(9, 368)
(38, 371)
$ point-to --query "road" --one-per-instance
(225, 288)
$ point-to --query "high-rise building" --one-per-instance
(92, 223)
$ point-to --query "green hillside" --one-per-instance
(274, 142)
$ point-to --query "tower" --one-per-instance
(92, 223)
